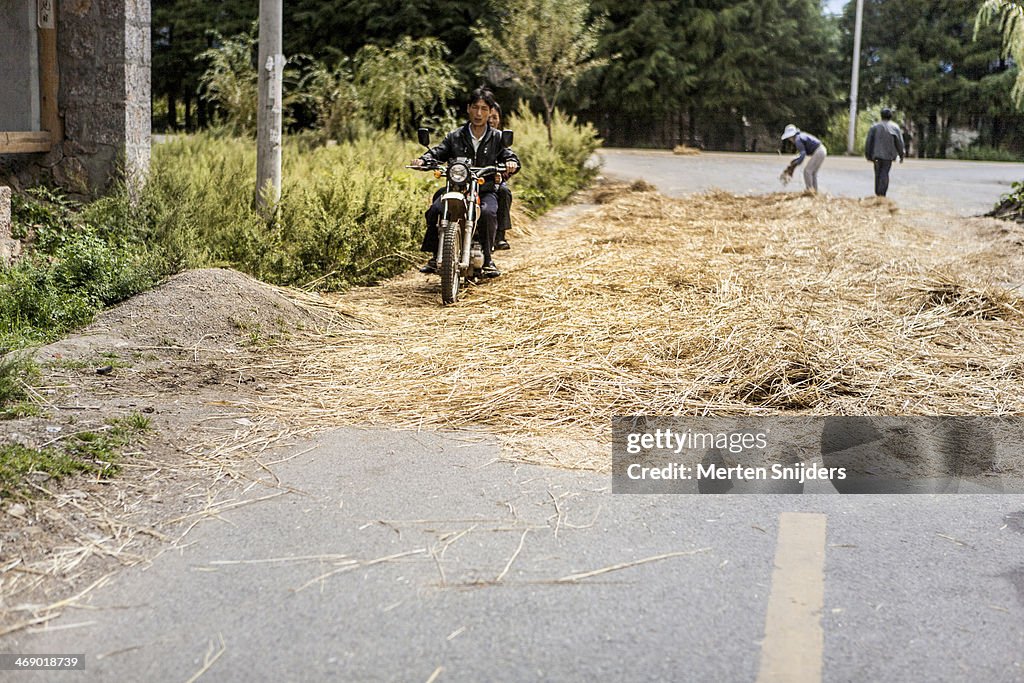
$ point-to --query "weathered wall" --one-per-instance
(103, 52)
(104, 56)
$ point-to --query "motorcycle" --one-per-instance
(459, 256)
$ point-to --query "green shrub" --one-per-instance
(348, 213)
(835, 137)
(72, 270)
(551, 173)
(986, 153)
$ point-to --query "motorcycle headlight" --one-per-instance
(458, 173)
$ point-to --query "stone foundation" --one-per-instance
(10, 248)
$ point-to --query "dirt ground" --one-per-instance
(231, 370)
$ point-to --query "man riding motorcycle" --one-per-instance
(481, 144)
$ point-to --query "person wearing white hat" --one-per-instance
(808, 146)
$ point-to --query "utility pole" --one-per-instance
(268, 113)
(850, 141)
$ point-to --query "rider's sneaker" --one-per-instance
(490, 270)
(430, 266)
(502, 245)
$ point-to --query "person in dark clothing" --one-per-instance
(504, 193)
(481, 144)
(883, 145)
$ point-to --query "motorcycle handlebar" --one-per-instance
(477, 171)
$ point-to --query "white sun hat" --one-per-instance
(790, 131)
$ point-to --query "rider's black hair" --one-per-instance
(484, 94)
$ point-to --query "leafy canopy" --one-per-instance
(545, 45)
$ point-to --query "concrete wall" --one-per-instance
(103, 53)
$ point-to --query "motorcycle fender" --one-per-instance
(454, 204)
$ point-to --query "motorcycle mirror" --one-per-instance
(423, 135)
(506, 138)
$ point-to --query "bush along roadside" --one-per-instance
(1011, 204)
(72, 269)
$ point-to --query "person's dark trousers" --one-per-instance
(882, 167)
(433, 211)
(504, 211)
(485, 229)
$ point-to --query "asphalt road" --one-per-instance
(413, 555)
(416, 557)
(959, 188)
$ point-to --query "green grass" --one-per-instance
(94, 452)
(17, 372)
(984, 153)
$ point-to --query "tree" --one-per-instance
(181, 30)
(645, 76)
(546, 45)
(1010, 14)
(399, 84)
(764, 62)
(230, 80)
(715, 73)
(921, 56)
(328, 29)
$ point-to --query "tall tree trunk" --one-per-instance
(172, 109)
(933, 134)
(947, 131)
(548, 113)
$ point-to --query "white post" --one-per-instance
(268, 114)
(854, 79)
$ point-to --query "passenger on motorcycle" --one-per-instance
(504, 193)
(477, 141)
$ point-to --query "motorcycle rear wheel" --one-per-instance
(451, 256)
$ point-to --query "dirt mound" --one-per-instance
(212, 309)
(184, 359)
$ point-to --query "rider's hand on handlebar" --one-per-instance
(417, 162)
(511, 167)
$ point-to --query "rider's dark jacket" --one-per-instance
(459, 143)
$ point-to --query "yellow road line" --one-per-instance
(794, 643)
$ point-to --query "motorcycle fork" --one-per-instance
(470, 227)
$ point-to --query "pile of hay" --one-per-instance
(685, 150)
(712, 305)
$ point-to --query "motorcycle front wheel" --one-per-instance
(451, 256)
